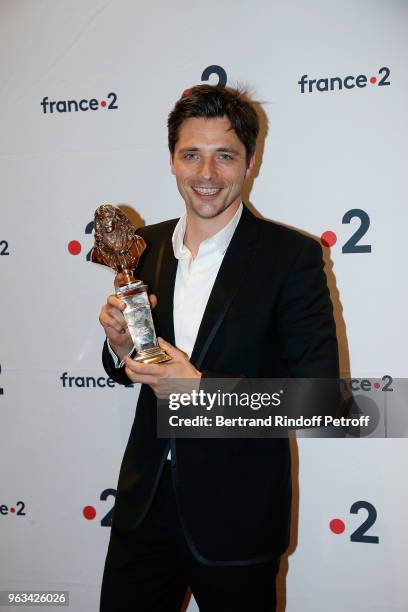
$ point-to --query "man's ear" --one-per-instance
(171, 163)
(250, 167)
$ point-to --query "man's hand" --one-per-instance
(113, 322)
(155, 374)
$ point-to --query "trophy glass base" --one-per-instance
(154, 355)
(138, 317)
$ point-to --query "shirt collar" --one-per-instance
(219, 242)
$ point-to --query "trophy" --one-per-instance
(119, 247)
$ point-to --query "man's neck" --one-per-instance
(199, 229)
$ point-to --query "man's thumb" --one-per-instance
(152, 300)
(171, 350)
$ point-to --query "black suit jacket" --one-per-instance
(269, 315)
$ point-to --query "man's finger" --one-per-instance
(140, 378)
(115, 313)
(116, 302)
(171, 350)
(152, 300)
(107, 320)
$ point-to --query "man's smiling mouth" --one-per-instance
(207, 191)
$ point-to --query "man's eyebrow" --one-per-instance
(185, 149)
(228, 150)
(218, 150)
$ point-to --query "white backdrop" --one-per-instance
(327, 152)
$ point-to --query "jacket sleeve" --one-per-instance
(118, 374)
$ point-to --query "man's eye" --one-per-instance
(190, 156)
(225, 156)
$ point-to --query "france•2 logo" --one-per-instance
(338, 526)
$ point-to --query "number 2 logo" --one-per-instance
(219, 71)
(88, 230)
(352, 246)
(106, 521)
(359, 535)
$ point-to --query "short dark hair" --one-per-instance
(211, 101)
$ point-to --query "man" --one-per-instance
(236, 296)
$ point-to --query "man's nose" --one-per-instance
(207, 169)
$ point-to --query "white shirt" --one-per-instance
(195, 279)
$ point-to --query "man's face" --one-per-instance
(210, 166)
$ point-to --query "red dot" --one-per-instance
(186, 92)
(89, 512)
(74, 247)
(12, 509)
(373, 80)
(103, 103)
(377, 385)
(328, 238)
(337, 526)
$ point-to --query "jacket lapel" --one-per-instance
(233, 270)
(164, 279)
